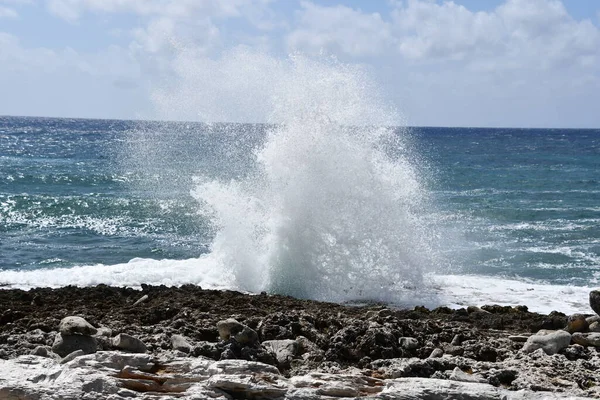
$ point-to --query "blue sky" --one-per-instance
(527, 63)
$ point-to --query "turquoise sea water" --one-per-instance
(519, 203)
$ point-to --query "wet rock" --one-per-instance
(587, 339)
(576, 323)
(180, 343)
(595, 301)
(76, 325)
(128, 343)
(550, 341)
(66, 344)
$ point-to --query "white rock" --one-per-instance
(408, 343)
(550, 341)
(180, 343)
(461, 376)
(263, 385)
(129, 343)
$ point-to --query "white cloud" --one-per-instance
(72, 10)
(42, 81)
(519, 64)
(519, 33)
(339, 29)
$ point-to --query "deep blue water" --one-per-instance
(514, 202)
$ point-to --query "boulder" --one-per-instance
(595, 301)
(587, 339)
(576, 323)
(408, 343)
(550, 341)
(180, 343)
(76, 325)
(128, 343)
(66, 344)
(285, 350)
(594, 327)
(229, 327)
(247, 336)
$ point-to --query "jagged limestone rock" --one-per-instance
(550, 341)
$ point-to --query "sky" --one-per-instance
(496, 63)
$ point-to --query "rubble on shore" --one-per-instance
(104, 343)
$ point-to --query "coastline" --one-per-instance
(294, 340)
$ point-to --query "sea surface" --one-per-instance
(516, 212)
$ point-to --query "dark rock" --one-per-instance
(595, 301)
(42, 351)
(576, 323)
(76, 325)
(207, 349)
(502, 377)
(66, 344)
(575, 352)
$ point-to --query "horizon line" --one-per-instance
(139, 120)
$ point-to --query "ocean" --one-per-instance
(452, 216)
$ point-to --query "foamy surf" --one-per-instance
(455, 291)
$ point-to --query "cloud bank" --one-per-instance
(525, 63)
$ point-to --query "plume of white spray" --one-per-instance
(334, 207)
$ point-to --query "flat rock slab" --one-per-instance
(114, 375)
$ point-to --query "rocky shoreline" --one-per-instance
(161, 342)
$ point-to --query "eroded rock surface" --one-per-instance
(202, 344)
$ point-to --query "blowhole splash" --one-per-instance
(333, 209)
